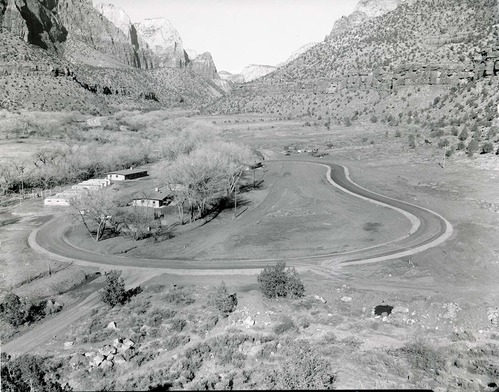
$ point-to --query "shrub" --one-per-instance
(12, 310)
(487, 148)
(178, 324)
(461, 146)
(398, 134)
(412, 141)
(463, 135)
(303, 369)
(114, 291)
(437, 133)
(473, 147)
(443, 143)
(286, 324)
(424, 357)
(449, 152)
(223, 301)
(279, 281)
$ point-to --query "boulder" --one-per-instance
(98, 359)
(69, 344)
(319, 298)
(112, 325)
(248, 322)
(400, 309)
(106, 350)
(106, 364)
(346, 299)
(118, 359)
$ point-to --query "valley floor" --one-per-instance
(443, 332)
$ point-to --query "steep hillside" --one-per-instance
(67, 55)
(392, 65)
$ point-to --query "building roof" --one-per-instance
(129, 171)
(160, 195)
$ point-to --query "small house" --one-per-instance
(126, 175)
(157, 199)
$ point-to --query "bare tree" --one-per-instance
(97, 207)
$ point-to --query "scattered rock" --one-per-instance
(118, 359)
(452, 310)
(400, 309)
(248, 322)
(106, 350)
(77, 360)
(117, 342)
(90, 354)
(493, 316)
(97, 360)
(112, 325)
(346, 299)
(319, 298)
(106, 364)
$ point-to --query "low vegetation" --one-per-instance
(279, 281)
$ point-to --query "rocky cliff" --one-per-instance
(122, 21)
(35, 21)
(164, 40)
(203, 65)
(87, 26)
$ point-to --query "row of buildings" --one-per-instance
(64, 198)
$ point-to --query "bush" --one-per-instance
(12, 310)
(286, 324)
(443, 143)
(461, 146)
(223, 301)
(487, 148)
(114, 291)
(463, 135)
(279, 281)
(302, 369)
(473, 147)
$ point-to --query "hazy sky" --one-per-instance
(242, 32)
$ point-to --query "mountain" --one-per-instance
(365, 9)
(297, 53)
(34, 21)
(165, 42)
(203, 65)
(434, 63)
(248, 74)
(68, 55)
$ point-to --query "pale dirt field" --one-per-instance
(443, 291)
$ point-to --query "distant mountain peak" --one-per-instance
(375, 8)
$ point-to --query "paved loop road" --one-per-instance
(428, 230)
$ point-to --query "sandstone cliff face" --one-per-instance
(34, 21)
(86, 25)
(164, 41)
(204, 66)
(122, 21)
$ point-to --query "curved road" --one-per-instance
(429, 229)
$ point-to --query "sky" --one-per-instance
(242, 32)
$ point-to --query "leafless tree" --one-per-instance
(96, 207)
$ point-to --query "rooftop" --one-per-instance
(129, 171)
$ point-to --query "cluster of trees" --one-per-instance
(17, 311)
(209, 174)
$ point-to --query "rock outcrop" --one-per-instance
(122, 21)
(165, 42)
(86, 25)
(366, 9)
(34, 21)
(204, 66)
(486, 63)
